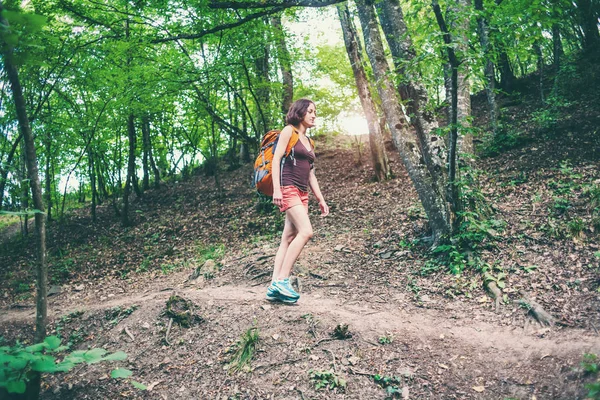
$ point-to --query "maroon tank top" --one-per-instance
(295, 168)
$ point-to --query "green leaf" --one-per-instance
(15, 387)
(118, 356)
(120, 373)
(44, 364)
(13, 362)
(138, 385)
(94, 355)
(53, 342)
(36, 348)
(65, 366)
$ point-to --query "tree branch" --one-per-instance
(271, 3)
(221, 27)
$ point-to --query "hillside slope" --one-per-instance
(431, 333)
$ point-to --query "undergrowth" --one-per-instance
(244, 350)
(591, 367)
(477, 229)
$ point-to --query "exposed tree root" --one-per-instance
(538, 312)
(495, 292)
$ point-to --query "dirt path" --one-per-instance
(430, 324)
(454, 357)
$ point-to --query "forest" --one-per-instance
(457, 146)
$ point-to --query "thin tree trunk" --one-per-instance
(453, 193)
(148, 138)
(378, 154)
(36, 188)
(557, 46)
(146, 153)
(433, 200)
(263, 94)
(490, 79)
(49, 176)
(285, 66)
(540, 64)
(93, 185)
(130, 170)
(24, 183)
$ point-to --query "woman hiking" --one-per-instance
(292, 177)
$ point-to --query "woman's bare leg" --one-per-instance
(288, 235)
(297, 216)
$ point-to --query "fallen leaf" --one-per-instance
(478, 389)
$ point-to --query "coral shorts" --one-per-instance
(292, 196)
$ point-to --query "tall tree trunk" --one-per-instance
(453, 193)
(102, 191)
(130, 170)
(392, 21)
(408, 145)
(148, 143)
(589, 24)
(146, 153)
(24, 184)
(432, 147)
(36, 188)
(49, 176)
(263, 95)
(378, 154)
(459, 10)
(490, 75)
(92, 173)
(285, 66)
(540, 64)
(557, 46)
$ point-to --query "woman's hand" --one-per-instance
(324, 208)
(277, 197)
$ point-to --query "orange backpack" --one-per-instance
(263, 179)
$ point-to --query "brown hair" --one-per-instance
(297, 111)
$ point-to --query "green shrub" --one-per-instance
(19, 364)
(327, 379)
(244, 350)
(591, 367)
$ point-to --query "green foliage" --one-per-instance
(327, 379)
(244, 350)
(8, 220)
(18, 364)
(210, 252)
(341, 332)
(575, 227)
(390, 384)
(62, 269)
(545, 118)
(505, 139)
(386, 339)
(591, 366)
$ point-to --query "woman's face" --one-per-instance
(310, 117)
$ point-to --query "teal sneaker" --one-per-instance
(286, 293)
(272, 293)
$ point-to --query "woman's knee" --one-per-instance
(306, 233)
(289, 237)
